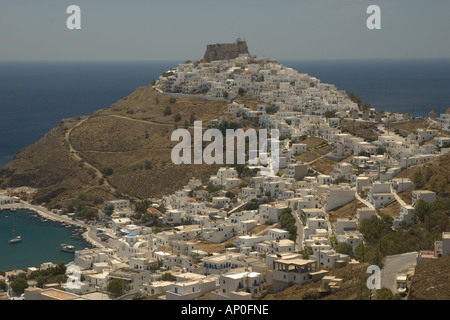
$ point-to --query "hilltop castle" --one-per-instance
(225, 51)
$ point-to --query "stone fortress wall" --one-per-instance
(225, 51)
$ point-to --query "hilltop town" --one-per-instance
(239, 235)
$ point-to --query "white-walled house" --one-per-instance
(220, 202)
(239, 286)
(190, 290)
(119, 205)
(221, 233)
(344, 224)
(407, 214)
(351, 237)
(329, 259)
(294, 271)
(134, 279)
(338, 196)
(313, 224)
(277, 234)
(271, 212)
(425, 195)
(6, 200)
(221, 263)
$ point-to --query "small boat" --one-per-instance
(67, 248)
(15, 240)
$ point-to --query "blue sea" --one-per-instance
(34, 97)
(40, 243)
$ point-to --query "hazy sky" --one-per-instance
(181, 29)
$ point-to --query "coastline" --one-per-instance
(88, 235)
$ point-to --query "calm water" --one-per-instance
(34, 97)
(40, 240)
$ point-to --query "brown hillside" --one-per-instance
(132, 137)
(439, 181)
(431, 280)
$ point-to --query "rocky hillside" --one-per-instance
(124, 149)
(431, 280)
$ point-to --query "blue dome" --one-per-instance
(132, 235)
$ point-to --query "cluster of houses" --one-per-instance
(277, 86)
(255, 260)
(270, 256)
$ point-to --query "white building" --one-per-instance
(119, 205)
(425, 195)
(239, 286)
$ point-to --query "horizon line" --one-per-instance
(183, 60)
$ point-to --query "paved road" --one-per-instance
(299, 224)
(394, 265)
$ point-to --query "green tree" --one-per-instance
(177, 117)
(428, 173)
(423, 208)
(381, 151)
(355, 98)
(344, 248)
(167, 111)
(287, 221)
(330, 113)
(252, 205)
(340, 179)
(374, 228)
(3, 285)
(386, 294)
(148, 164)
(19, 285)
(142, 206)
(168, 277)
(109, 210)
(107, 171)
(419, 180)
(116, 287)
(225, 94)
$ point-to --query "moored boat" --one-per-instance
(67, 248)
(15, 240)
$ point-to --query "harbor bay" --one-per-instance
(41, 240)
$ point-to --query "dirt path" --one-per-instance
(76, 156)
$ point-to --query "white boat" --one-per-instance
(15, 239)
(67, 248)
